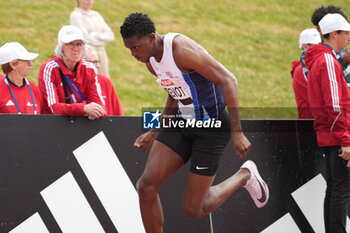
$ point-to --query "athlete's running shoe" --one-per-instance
(256, 186)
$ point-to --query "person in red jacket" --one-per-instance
(69, 83)
(308, 37)
(2, 76)
(17, 94)
(109, 94)
(329, 99)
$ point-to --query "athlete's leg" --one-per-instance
(201, 198)
(162, 162)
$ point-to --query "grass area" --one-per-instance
(255, 39)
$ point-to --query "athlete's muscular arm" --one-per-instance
(189, 56)
(145, 140)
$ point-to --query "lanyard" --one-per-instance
(337, 56)
(14, 97)
(71, 84)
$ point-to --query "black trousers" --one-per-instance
(338, 191)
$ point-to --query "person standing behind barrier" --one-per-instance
(108, 92)
(17, 94)
(96, 31)
(69, 83)
(307, 38)
(329, 99)
(344, 55)
(204, 87)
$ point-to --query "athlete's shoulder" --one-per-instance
(188, 54)
(186, 45)
(180, 40)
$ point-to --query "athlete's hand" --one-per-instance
(345, 154)
(145, 140)
(94, 111)
(241, 143)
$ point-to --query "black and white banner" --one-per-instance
(60, 174)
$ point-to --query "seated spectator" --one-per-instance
(69, 83)
(95, 30)
(17, 94)
(108, 92)
(307, 38)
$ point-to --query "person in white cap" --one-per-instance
(68, 83)
(344, 55)
(307, 38)
(17, 94)
(329, 99)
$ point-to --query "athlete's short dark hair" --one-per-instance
(322, 11)
(137, 24)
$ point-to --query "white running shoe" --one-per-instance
(256, 186)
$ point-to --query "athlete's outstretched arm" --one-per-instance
(189, 56)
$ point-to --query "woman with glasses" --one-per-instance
(17, 94)
(68, 83)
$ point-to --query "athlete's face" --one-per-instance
(140, 47)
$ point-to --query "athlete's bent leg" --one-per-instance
(201, 198)
(161, 163)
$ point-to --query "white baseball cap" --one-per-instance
(333, 22)
(70, 33)
(309, 36)
(12, 51)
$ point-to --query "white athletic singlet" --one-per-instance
(197, 97)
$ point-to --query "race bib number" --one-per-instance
(176, 90)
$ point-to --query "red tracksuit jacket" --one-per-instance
(300, 91)
(84, 78)
(329, 97)
(110, 97)
(23, 98)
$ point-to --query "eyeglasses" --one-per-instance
(95, 62)
(72, 45)
(26, 61)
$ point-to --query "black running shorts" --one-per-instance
(204, 146)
